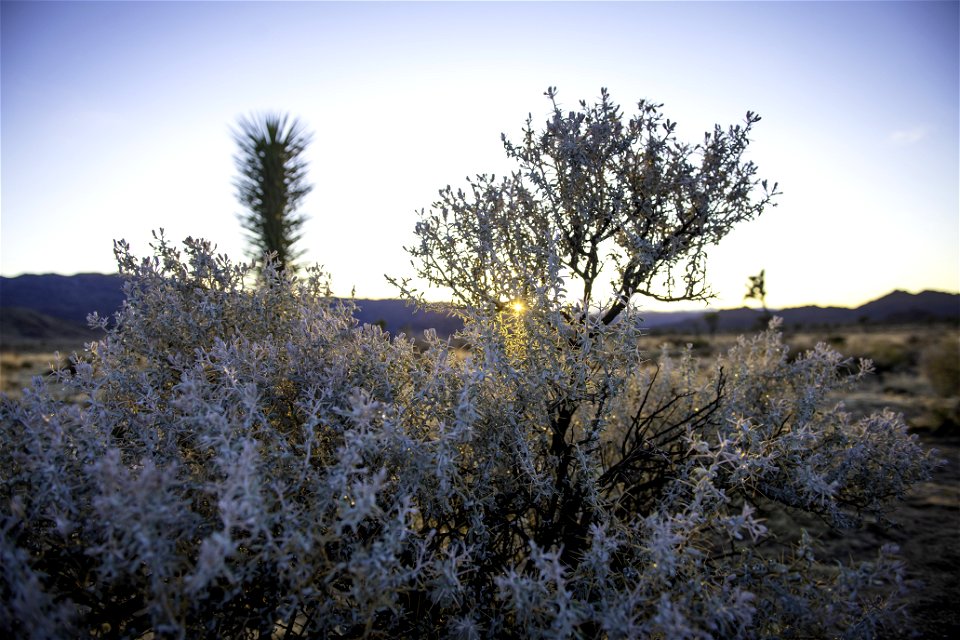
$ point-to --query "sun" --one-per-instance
(518, 306)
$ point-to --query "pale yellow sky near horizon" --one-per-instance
(116, 121)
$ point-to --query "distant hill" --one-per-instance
(69, 298)
(51, 305)
(400, 317)
(59, 306)
(898, 307)
(24, 329)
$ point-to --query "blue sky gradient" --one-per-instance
(115, 120)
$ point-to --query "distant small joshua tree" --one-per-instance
(757, 289)
(272, 183)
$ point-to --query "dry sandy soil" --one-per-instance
(929, 538)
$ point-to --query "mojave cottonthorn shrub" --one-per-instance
(245, 459)
(241, 459)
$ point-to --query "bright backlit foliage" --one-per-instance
(245, 461)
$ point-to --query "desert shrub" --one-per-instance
(248, 457)
(246, 461)
(940, 364)
(837, 341)
(889, 356)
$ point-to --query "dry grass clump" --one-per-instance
(940, 364)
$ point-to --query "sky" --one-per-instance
(116, 118)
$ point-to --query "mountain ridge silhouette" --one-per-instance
(69, 299)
